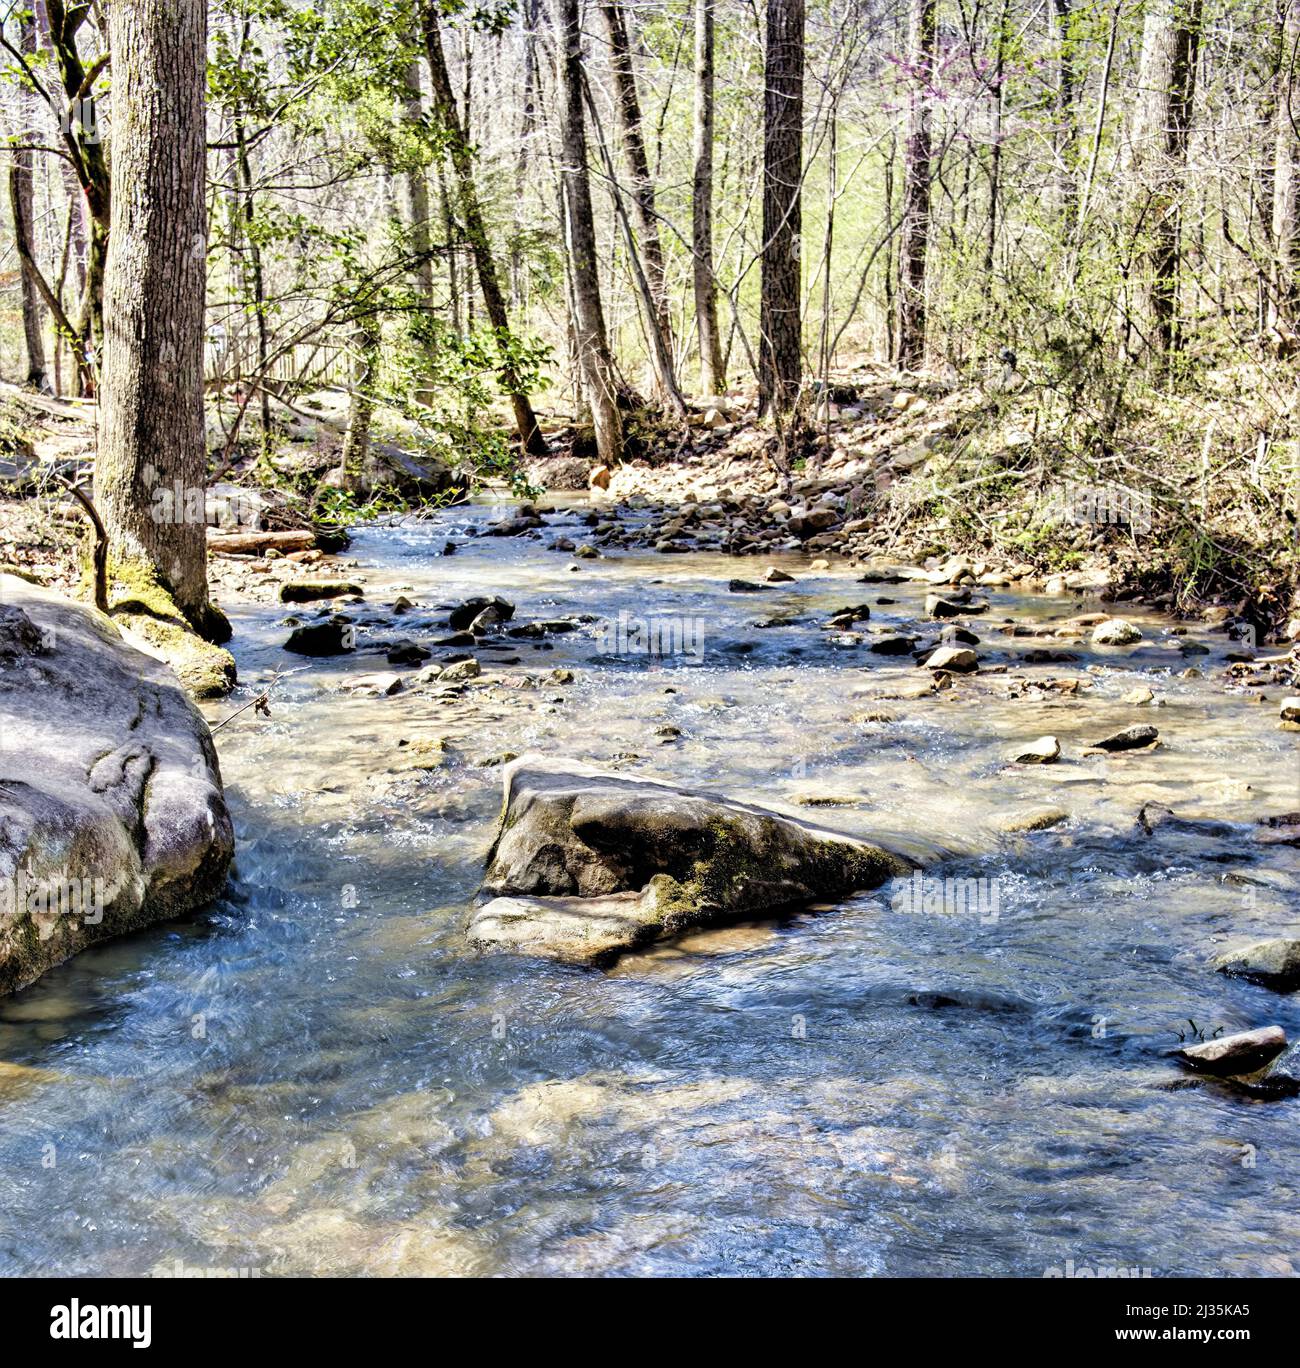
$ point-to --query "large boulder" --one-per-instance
(111, 808)
(588, 863)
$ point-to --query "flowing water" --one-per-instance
(320, 1075)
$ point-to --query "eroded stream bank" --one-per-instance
(322, 1075)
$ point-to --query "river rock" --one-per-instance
(574, 837)
(1231, 1056)
(112, 815)
(1290, 711)
(957, 659)
(1131, 738)
(460, 671)
(306, 591)
(1273, 963)
(1115, 632)
(893, 645)
(334, 637)
(936, 606)
(464, 614)
(773, 575)
(407, 653)
(1040, 752)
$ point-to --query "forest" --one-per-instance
(589, 596)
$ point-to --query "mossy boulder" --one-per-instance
(589, 863)
(111, 809)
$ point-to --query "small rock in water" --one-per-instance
(893, 645)
(375, 685)
(958, 659)
(1290, 712)
(1272, 963)
(463, 614)
(1040, 752)
(1131, 738)
(774, 576)
(462, 669)
(305, 591)
(1138, 696)
(334, 637)
(936, 606)
(407, 653)
(1034, 819)
(1115, 632)
(740, 586)
(1231, 1056)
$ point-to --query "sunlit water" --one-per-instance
(321, 1076)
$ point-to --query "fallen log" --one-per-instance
(255, 543)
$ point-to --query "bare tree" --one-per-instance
(914, 234)
(1166, 89)
(590, 337)
(462, 163)
(779, 354)
(628, 106)
(1284, 287)
(712, 372)
(20, 200)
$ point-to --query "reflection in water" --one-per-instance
(320, 1076)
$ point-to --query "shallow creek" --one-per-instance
(321, 1076)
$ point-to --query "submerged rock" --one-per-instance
(111, 810)
(589, 863)
(1273, 963)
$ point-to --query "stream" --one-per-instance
(322, 1076)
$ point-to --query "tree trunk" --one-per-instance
(416, 187)
(590, 337)
(20, 198)
(1167, 87)
(713, 378)
(462, 163)
(361, 405)
(1284, 290)
(914, 232)
(1067, 142)
(83, 141)
(628, 107)
(151, 469)
(779, 368)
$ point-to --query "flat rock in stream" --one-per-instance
(589, 863)
(1272, 963)
(1232, 1056)
(307, 591)
(111, 810)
